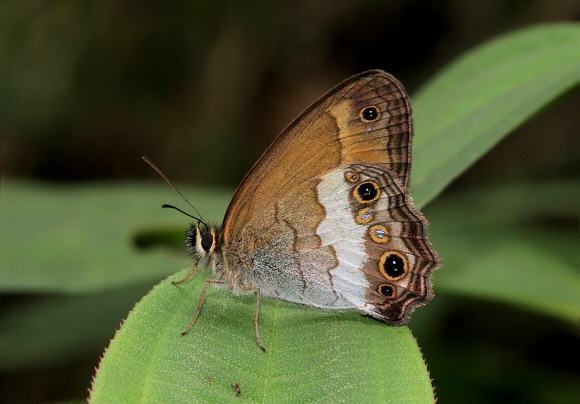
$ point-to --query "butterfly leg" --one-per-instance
(199, 303)
(256, 316)
(188, 275)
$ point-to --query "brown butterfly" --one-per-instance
(324, 217)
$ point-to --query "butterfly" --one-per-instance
(324, 217)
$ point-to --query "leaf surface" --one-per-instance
(312, 355)
(483, 96)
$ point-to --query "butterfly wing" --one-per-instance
(298, 226)
(370, 250)
(330, 133)
(386, 238)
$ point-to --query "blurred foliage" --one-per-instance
(202, 88)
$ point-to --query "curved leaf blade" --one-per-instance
(51, 330)
(312, 354)
(495, 246)
(479, 99)
(515, 266)
(74, 239)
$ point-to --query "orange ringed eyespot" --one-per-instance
(369, 114)
(364, 216)
(367, 192)
(387, 290)
(351, 177)
(379, 233)
(393, 265)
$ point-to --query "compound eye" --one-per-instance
(207, 241)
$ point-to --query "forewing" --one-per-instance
(330, 133)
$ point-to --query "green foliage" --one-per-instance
(53, 330)
(494, 253)
(479, 99)
(311, 355)
(80, 236)
(499, 245)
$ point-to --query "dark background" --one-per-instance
(202, 88)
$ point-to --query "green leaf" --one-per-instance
(312, 355)
(515, 266)
(480, 98)
(75, 239)
(506, 204)
(494, 246)
(52, 330)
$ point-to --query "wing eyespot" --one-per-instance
(364, 216)
(393, 265)
(369, 114)
(367, 192)
(379, 233)
(387, 290)
(351, 176)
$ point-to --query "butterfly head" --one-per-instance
(202, 240)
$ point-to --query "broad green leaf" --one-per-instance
(77, 239)
(52, 330)
(480, 98)
(507, 204)
(515, 266)
(491, 250)
(312, 355)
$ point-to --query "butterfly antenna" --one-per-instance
(200, 218)
(165, 205)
